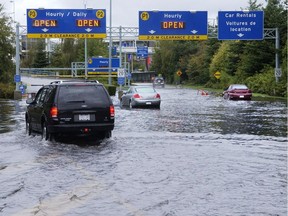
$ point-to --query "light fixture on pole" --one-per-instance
(14, 19)
(86, 48)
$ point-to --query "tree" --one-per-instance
(95, 47)
(69, 53)
(253, 5)
(56, 57)
(72, 50)
(41, 59)
(7, 50)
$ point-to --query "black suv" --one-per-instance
(71, 108)
(158, 82)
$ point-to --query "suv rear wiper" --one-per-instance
(76, 101)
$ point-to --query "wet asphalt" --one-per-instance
(197, 155)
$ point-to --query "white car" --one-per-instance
(140, 96)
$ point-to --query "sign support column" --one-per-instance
(17, 55)
(277, 46)
(17, 79)
(110, 43)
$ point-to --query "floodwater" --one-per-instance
(197, 156)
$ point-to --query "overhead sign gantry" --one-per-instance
(66, 23)
(240, 25)
(173, 25)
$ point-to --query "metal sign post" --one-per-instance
(17, 77)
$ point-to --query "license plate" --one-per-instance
(84, 117)
(241, 96)
(148, 103)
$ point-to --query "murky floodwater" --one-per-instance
(197, 155)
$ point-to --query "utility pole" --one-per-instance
(110, 44)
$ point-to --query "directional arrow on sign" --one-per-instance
(194, 31)
(240, 35)
(67, 23)
(230, 21)
(152, 31)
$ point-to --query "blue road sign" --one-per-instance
(17, 78)
(142, 52)
(129, 76)
(66, 23)
(121, 80)
(98, 65)
(114, 51)
(173, 25)
(240, 25)
(22, 89)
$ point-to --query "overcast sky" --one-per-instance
(125, 12)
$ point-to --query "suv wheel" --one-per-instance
(104, 135)
(130, 104)
(108, 134)
(28, 127)
(45, 133)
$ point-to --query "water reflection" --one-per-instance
(7, 109)
(191, 113)
(177, 114)
(257, 118)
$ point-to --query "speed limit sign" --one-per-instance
(121, 72)
(278, 72)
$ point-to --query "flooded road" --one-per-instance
(197, 155)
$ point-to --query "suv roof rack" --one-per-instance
(96, 81)
(63, 81)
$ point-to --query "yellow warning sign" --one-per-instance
(217, 75)
(179, 73)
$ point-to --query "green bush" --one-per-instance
(7, 91)
(111, 89)
(265, 83)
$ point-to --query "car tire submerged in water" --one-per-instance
(105, 134)
(28, 127)
(108, 134)
(130, 104)
(45, 133)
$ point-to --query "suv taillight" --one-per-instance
(112, 111)
(54, 112)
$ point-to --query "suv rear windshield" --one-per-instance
(158, 80)
(71, 95)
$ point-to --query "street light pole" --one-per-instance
(85, 50)
(110, 44)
